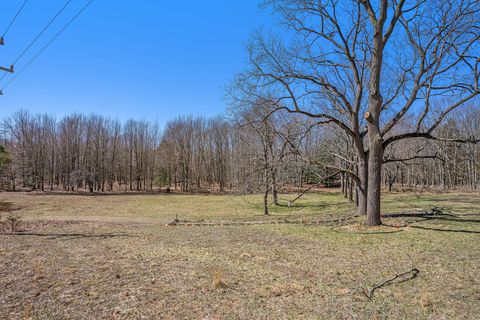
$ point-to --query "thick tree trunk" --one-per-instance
(374, 181)
(275, 195)
(375, 105)
(362, 187)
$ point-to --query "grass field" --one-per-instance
(113, 257)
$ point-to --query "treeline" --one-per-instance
(100, 154)
(445, 164)
(254, 150)
(78, 151)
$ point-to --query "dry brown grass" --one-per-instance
(146, 270)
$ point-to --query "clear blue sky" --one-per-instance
(142, 59)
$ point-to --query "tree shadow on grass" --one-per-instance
(428, 216)
(314, 206)
(69, 236)
(446, 230)
(431, 216)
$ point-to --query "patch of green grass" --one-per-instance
(163, 208)
(449, 202)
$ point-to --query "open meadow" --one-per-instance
(114, 257)
(263, 159)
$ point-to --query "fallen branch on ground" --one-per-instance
(406, 276)
(305, 222)
(312, 186)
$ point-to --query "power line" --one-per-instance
(48, 44)
(13, 20)
(38, 36)
(41, 32)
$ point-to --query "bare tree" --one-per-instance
(363, 66)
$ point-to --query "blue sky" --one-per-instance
(142, 59)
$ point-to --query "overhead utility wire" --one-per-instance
(38, 36)
(41, 32)
(13, 20)
(48, 44)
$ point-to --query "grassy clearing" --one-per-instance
(144, 269)
(163, 208)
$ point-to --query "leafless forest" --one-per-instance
(247, 152)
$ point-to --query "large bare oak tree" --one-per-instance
(364, 66)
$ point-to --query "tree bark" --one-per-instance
(362, 186)
(265, 202)
(375, 160)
